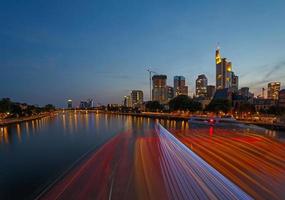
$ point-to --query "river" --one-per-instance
(36, 153)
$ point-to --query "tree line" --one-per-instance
(15, 109)
(185, 103)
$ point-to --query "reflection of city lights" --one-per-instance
(6, 138)
(27, 129)
(19, 133)
(211, 130)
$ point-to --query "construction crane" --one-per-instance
(150, 73)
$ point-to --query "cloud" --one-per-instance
(275, 69)
(270, 73)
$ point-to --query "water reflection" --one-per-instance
(53, 144)
(38, 151)
(251, 157)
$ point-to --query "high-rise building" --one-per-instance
(137, 98)
(90, 103)
(273, 90)
(127, 102)
(180, 87)
(223, 72)
(69, 103)
(159, 90)
(211, 89)
(244, 91)
(281, 100)
(83, 105)
(86, 104)
(201, 86)
(170, 92)
(246, 94)
(234, 83)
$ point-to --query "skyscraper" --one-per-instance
(234, 83)
(127, 102)
(90, 103)
(273, 90)
(159, 90)
(180, 87)
(223, 72)
(201, 86)
(137, 98)
(211, 89)
(69, 103)
(170, 92)
(83, 105)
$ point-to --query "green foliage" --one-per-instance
(218, 105)
(153, 106)
(183, 102)
(21, 109)
(5, 105)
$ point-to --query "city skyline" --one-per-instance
(49, 57)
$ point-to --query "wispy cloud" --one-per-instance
(275, 69)
(267, 73)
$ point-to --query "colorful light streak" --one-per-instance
(148, 165)
(254, 162)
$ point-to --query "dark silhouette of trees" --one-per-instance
(5, 105)
(274, 110)
(22, 109)
(153, 106)
(217, 105)
(48, 108)
(183, 102)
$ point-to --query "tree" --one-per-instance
(183, 102)
(49, 107)
(153, 106)
(217, 105)
(5, 105)
(16, 110)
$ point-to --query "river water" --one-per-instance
(34, 154)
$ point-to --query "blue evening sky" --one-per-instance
(51, 51)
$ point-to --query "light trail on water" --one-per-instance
(254, 162)
(149, 165)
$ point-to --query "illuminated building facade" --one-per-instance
(137, 98)
(69, 103)
(159, 90)
(273, 90)
(127, 102)
(180, 87)
(201, 86)
(225, 77)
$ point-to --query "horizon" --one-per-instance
(54, 51)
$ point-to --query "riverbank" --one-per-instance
(6, 122)
(179, 117)
(272, 126)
